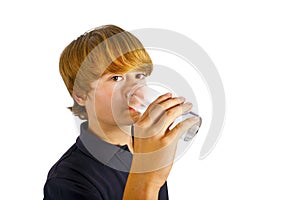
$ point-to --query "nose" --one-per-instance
(136, 97)
(129, 86)
(131, 89)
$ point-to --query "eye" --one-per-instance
(117, 78)
(140, 76)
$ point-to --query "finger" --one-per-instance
(162, 98)
(172, 114)
(145, 119)
(156, 111)
(182, 127)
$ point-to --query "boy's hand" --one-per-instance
(154, 144)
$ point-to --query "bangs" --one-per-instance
(134, 61)
(124, 53)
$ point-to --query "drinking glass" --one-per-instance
(141, 96)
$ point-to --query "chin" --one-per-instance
(127, 118)
(130, 119)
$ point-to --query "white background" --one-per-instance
(255, 46)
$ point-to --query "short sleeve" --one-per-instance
(63, 189)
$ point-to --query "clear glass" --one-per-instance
(141, 96)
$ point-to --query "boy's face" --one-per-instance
(107, 102)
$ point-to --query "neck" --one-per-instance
(112, 133)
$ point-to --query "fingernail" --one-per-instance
(168, 94)
(181, 98)
(189, 104)
(195, 118)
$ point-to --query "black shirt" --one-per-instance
(91, 169)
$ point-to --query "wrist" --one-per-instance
(138, 187)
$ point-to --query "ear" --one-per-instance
(79, 99)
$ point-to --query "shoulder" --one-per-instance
(64, 189)
(74, 163)
(71, 177)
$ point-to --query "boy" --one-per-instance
(120, 154)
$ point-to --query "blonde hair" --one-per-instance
(106, 49)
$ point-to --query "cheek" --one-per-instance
(103, 101)
(108, 103)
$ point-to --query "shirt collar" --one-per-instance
(114, 156)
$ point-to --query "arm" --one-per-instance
(155, 146)
(137, 188)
